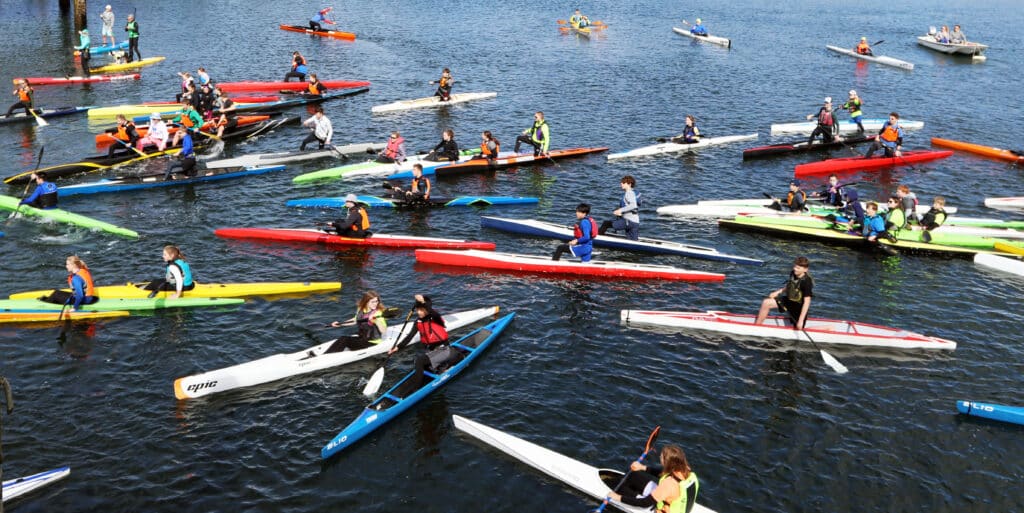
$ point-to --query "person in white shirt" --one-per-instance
(322, 130)
(157, 133)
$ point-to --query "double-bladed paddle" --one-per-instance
(373, 384)
(647, 448)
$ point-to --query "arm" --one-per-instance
(179, 280)
(35, 195)
(587, 230)
(547, 138)
(629, 200)
(426, 193)
(803, 311)
(329, 129)
(78, 292)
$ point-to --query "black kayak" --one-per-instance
(801, 146)
(20, 115)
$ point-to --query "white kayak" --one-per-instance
(15, 488)
(1011, 203)
(708, 38)
(1000, 263)
(432, 101)
(880, 59)
(824, 331)
(846, 125)
(732, 208)
(671, 147)
(592, 481)
(323, 356)
(287, 157)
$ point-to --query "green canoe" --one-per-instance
(135, 305)
(63, 216)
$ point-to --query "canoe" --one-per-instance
(839, 165)
(288, 157)
(543, 264)
(1008, 203)
(1000, 263)
(331, 85)
(43, 113)
(100, 50)
(110, 137)
(372, 167)
(316, 358)
(133, 305)
(802, 146)
(592, 481)
(978, 149)
(824, 331)
(25, 316)
(1014, 414)
(400, 398)
(134, 183)
(973, 50)
(434, 201)
(613, 241)
(503, 161)
(40, 81)
(880, 59)
(336, 34)
(63, 216)
(14, 488)
(127, 65)
(431, 101)
(717, 40)
(846, 125)
(303, 235)
(220, 290)
(671, 147)
(1012, 249)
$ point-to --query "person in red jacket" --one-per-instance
(437, 354)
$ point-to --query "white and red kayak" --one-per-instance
(823, 331)
(544, 265)
(233, 87)
(1009, 203)
(38, 81)
(320, 237)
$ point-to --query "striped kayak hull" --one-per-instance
(880, 59)
(825, 167)
(671, 147)
(43, 113)
(434, 201)
(235, 87)
(25, 316)
(288, 157)
(149, 61)
(398, 399)
(218, 290)
(479, 165)
(802, 146)
(1000, 263)
(978, 149)
(40, 81)
(432, 101)
(132, 305)
(374, 168)
(1012, 414)
(846, 125)
(716, 40)
(134, 183)
(63, 216)
(15, 488)
(335, 34)
(300, 235)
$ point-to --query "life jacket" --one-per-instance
(577, 232)
(825, 117)
(432, 331)
(421, 184)
(486, 151)
(690, 133)
(186, 272)
(48, 199)
(895, 221)
(315, 88)
(933, 219)
(891, 133)
(391, 151)
(444, 82)
(790, 197)
(86, 276)
(793, 292)
(364, 219)
(122, 130)
(854, 105)
(863, 48)
(24, 95)
(186, 119)
(536, 133)
(367, 325)
(688, 489)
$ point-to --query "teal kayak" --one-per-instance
(63, 216)
(104, 305)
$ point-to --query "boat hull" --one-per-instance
(14, 488)
(1012, 414)
(334, 34)
(880, 59)
(221, 290)
(973, 50)
(432, 101)
(842, 165)
(299, 235)
(715, 40)
(845, 126)
(434, 201)
(978, 149)
(671, 147)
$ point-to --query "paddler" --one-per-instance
(627, 216)
(853, 213)
(490, 147)
(671, 487)
(299, 68)
(370, 325)
(107, 17)
(320, 17)
(126, 134)
(579, 20)
(357, 224)
(315, 87)
(45, 194)
(227, 109)
(691, 134)
(419, 189)
(582, 244)
(177, 275)
(827, 126)
(444, 85)
(794, 298)
(863, 48)
(83, 290)
(437, 355)
(538, 136)
(796, 199)
(935, 216)
(698, 29)
(874, 224)
(833, 194)
(448, 148)
(157, 134)
(132, 28)
(394, 151)
(321, 129)
(186, 159)
(84, 45)
(853, 106)
(890, 138)
(24, 93)
(187, 120)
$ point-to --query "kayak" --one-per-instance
(63, 216)
(19, 316)
(100, 50)
(372, 167)
(15, 488)
(968, 224)
(480, 164)
(40, 81)
(592, 481)
(127, 65)
(287, 157)
(217, 290)
(110, 304)
(825, 167)
(401, 397)
(111, 137)
(300, 99)
(978, 149)
(305, 235)
(1012, 249)
(316, 358)
(1009, 203)
(134, 183)
(671, 147)
(336, 34)
(880, 59)
(331, 85)
(753, 203)
(43, 113)
(613, 241)
(1014, 414)
(824, 331)
(802, 146)
(561, 268)
(974, 50)
(147, 108)
(718, 40)
(1000, 263)
(434, 201)
(846, 125)
(431, 101)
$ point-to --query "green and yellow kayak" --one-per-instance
(20, 316)
(206, 290)
(63, 216)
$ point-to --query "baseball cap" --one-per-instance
(828, 99)
(853, 92)
(796, 182)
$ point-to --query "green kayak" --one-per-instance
(135, 305)
(372, 167)
(63, 216)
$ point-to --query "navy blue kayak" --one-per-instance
(300, 99)
(1014, 414)
(44, 113)
(399, 398)
(131, 183)
(436, 201)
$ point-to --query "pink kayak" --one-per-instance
(233, 87)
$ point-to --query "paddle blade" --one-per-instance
(39, 120)
(651, 439)
(832, 362)
(373, 385)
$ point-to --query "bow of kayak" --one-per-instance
(978, 149)
(26, 316)
(992, 411)
(149, 61)
(15, 488)
(133, 305)
(839, 165)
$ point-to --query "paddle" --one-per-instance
(24, 193)
(829, 359)
(647, 448)
(129, 146)
(373, 384)
(39, 121)
(389, 313)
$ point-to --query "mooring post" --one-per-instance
(81, 21)
(8, 399)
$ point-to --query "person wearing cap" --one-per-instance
(698, 29)
(582, 244)
(691, 134)
(45, 194)
(84, 46)
(107, 17)
(24, 93)
(186, 160)
(125, 131)
(863, 48)
(132, 28)
(320, 17)
(444, 85)
(157, 133)
(437, 355)
(794, 298)
(827, 126)
(321, 132)
(357, 224)
(627, 216)
(890, 138)
(299, 68)
(853, 106)
(796, 199)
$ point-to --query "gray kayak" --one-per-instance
(269, 159)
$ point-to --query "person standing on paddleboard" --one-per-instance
(24, 93)
(827, 126)
(356, 225)
(45, 195)
(538, 136)
(853, 106)
(107, 17)
(370, 325)
(582, 244)
(437, 355)
(132, 28)
(177, 275)
(321, 132)
(84, 46)
(890, 138)
(671, 486)
(794, 298)
(627, 216)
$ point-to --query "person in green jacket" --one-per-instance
(132, 28)
(537, 136)
(853, 105)
(84, 44)
(188, 119)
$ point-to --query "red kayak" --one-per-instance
(333, 241)
(38, 81)
(478, 165)
(234, 87)
(860, 163)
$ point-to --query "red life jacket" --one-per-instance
(431, 332)
(825, 117)
(577, 232)
(391, 151)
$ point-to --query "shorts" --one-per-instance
(107, 31)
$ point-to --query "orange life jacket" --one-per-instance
(444, 81)
(891, 133)
(863, 48)
(315, 88)
(364, 220)
(122, 131)
(485, 151)
(25, 95)
(90, 288)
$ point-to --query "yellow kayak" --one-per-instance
(1007, 247)
(212, 290)
(37, 316)
(128, 65)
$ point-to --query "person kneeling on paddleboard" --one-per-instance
(45, 195)
(670, 487)
(370, 324)
(794, 298)
(827, 126)
(299, 68)
(322, 131)
(437, 355)
(24, 93)
(83, 290)
(582, 244)
(177, 275)
(357, 224)
(691, 134)
(449, 149)
(890, 138)
(627, 216)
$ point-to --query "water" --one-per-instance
(767, 426)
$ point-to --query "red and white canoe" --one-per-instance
(825, 167)
(234, 87)
(544, 265)
(320, 237)
(38, 81)
(823, 331)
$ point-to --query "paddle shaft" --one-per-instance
(24, 193)
(647, 448)
(830, 360)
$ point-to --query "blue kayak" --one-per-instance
(44, 113)
(131, 183)
(300, 99)
(97, 50)
(399, 398)
(435, 201)
(1014, 414)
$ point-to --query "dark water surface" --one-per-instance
(767, 426)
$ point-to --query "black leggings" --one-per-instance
(19, 105)
(826, 133)
(523, 138)
(315, 25)
(349, 343)
(187, 166)
(164, 285)
(295, 74)
(310, 138)
(133, 46)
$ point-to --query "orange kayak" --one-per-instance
(337, 34)
(988, 151)
(107, 138)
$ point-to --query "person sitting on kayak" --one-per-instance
(833, 194)
(84, 46)
(299, 68)
(578, 20)
(874, 224)
(24, 93)
(827, 126)
(227, 109)
(437, 355)
(627, 216)
(584, 232)
(188, 120)
(490, 147)
(449, 149)
(444, 85)
(671, 487)
(853, 106)
(394, 151)
(83, 290)
(935, 215)
(357, 224)
(45, 194)
(320, 17)
(177, 275)
(796, 199)
(370, 325)
(794, 298)
(890, 138)
(895, 219)
(186, 159)
(957, 37)
(126, 134)
(419, 189)
(321, 132)
(315, 87)
(538, 136)
(691, 134)
(908, 202)
(863, 48)
(698, 29)
(157, 134)
(204, 102)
